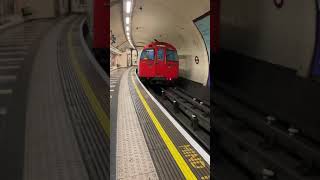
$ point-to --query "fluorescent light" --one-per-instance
(128, 33)
(127, 20)
(128, 6)
(127, 28)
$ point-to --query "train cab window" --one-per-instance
(160, 54)
(172, 55)
(147, 54)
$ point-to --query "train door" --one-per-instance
(160, 62)
(147, 63)
(172, 66)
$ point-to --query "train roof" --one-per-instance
(159, 44)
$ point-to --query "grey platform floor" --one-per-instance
(49, 129)
(51, 148)
(142, 152)
(115, 77)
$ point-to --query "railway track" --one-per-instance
(191, 112)
(262, 145)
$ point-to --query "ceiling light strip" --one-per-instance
(127, 9)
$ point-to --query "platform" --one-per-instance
(150, 144)
(54, 107)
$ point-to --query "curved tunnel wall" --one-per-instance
(258, 29)
(168, 21)
(116, 26)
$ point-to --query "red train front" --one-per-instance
(159, 61)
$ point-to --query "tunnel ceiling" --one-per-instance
(116, 26)
(164, 20)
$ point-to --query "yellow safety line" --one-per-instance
(95, 104)
(188, 174)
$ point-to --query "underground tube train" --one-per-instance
(159, 61)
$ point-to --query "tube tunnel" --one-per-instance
(265, 122)
(160, 89)
(166, 21)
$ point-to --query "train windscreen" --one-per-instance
(147, 54)
(172, 55)
(160, 55)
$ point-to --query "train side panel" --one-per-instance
(172, 70)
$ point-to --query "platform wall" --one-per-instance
(41, 8)
(79, 5)
(122, 60)
(51, 8)
(10, 10)
(188, 68)
(258, 29)
(63, 7)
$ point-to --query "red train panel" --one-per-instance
(216, 25)
(101, 23)
(159, 60)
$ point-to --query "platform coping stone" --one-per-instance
(133, 159)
